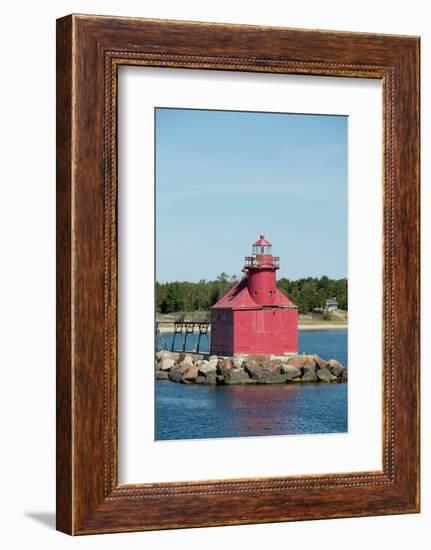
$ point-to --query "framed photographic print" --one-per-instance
(237, 274)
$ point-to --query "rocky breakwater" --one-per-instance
(187, 368)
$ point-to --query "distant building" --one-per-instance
(331, 304)
(254, 316)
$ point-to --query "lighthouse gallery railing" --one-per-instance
(250, 261)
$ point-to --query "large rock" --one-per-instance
(303, 362)
(162, 375)
(335, 367)
(324, 375)
(236, 376)
(209, 379)
(224, 366)
(191, 374)
(291, 372)
(184, 367)
(260, 358)
(321, 363)
(213, 361)
(273, 366)
(295, 361)
(309, 376)
(238, 362)
(160, 355)
(166, 364)
(279, 357)
(266, 373)
(165, 354)
(176, 367)
(344, 375)
(205, 367)
(277, 379)
(250, 362)
(310, 364)
(175, 375)
(254, 371)
(184, 357)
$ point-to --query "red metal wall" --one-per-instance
(266, 331)
(222, 331)
(262, 286)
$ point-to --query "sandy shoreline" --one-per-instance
(318, 326)
(326, 326)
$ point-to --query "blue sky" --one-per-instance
(224, 177)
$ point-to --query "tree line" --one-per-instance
(307, 293)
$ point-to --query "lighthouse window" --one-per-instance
(262, 249)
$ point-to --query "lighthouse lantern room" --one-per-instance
(254, 317)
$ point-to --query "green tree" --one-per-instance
(223, 280)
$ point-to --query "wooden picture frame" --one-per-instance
(89, 51)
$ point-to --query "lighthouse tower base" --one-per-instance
(263, 331)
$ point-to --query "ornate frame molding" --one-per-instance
(90, 50)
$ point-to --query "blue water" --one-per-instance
(188, 411)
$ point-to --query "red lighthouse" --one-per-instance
(254, 316)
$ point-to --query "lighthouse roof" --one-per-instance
(262, 241)
(239, 297)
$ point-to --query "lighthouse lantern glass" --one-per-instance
(262, 250)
